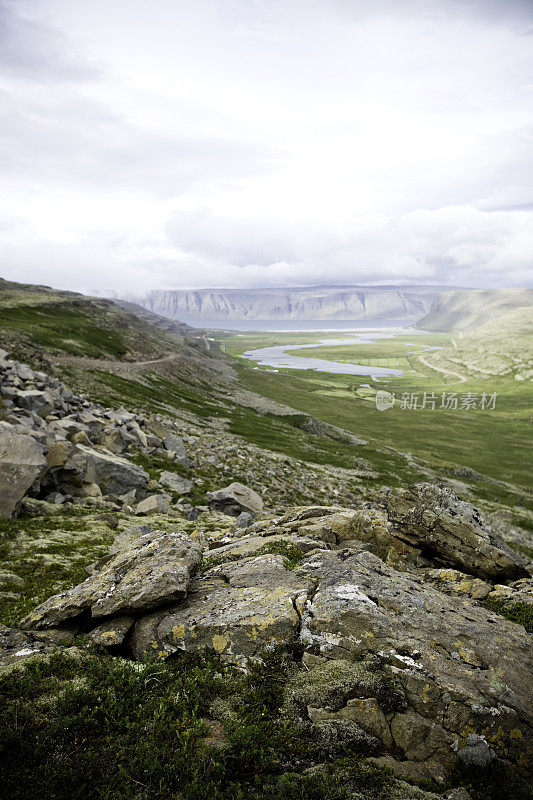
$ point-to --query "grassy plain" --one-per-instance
(493, 442)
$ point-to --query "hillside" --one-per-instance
(501, 347)
(206, 593)
(462, 310)
(37, 322)
(315, 302)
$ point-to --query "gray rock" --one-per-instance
(153, 571)
(174, 444)
(129, 536)
(94, 425)
(114, 475)
(175, 482)
(244, 520)
(154, 504)
(234, 499)
(22, 463)
(40, 403)
(433, 518)
(25, 373)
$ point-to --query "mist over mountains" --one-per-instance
(293, 303)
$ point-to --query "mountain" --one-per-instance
(313, 302)
(462, 309)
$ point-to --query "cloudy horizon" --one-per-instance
(261, 143)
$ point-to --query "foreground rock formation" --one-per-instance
(379, 607)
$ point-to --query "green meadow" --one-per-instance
(494, 442)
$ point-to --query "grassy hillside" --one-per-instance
(502, 347)
(469, 308)
(39, 320)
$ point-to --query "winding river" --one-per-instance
(278, 357)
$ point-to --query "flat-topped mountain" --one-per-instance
(311, 302)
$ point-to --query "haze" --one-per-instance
(170, 144)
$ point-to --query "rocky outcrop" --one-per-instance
(434, 519)
(234, 499)
(389, 649)
(237, 609)
(154, 570)
(22, 462)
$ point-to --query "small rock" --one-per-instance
(244, 520)
(175, 482)
(155, 504)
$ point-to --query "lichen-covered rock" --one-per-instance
(455, 582)
(462, 669)
(433, 518)
(129, 536)
(22, 462)
(17, 646)
(153, 571)
(112, 632)
(236, 608)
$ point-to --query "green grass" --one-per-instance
(292, 555)
(92, 726)
(66, 328)
(49, 555)
(493, 443)
(519, 612)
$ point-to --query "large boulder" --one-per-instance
(433, 518)
(233, 499)
(154, 504)
(175, 445)
(114, 475)
(154, 570)
(22, 462)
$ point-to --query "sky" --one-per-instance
(159, 144)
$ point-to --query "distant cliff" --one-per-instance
(466, 309)
(316, 302)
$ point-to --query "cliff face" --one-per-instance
(469, 308)
(318, 302)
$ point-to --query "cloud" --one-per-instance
(32, 50)
(175, 144)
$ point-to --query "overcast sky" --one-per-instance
(178, 144)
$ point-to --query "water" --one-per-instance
(278, 358)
